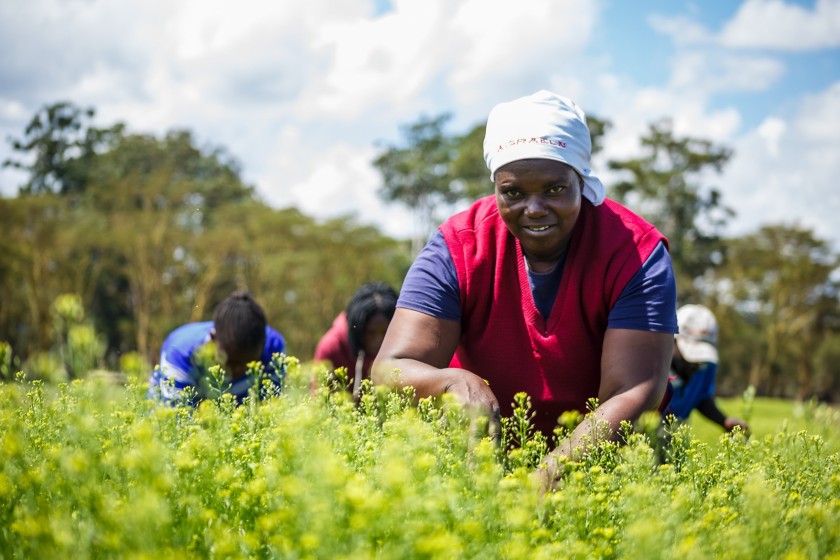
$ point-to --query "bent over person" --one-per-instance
(240, 334)
(354, 339)
(544, 287)
(694, 368)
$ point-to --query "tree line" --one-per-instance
(151, 232)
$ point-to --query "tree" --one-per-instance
(783, 281)
(159, 231)
(157, 198)
(469, 170)
(419, 174)
(664, 185)
(598, 128)
(305, 271)
(60, 143)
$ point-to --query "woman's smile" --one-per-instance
(538, 229)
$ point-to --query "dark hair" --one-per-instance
(240, 323)
(369, 299)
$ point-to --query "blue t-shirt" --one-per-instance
(648, 302)
(688, 394)
(178, 370)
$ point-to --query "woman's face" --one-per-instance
(236, 361)
(539, 201)
(374, 334)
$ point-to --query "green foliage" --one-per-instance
(60, 143)
(79, 346)
(664, 186)
(45, 366)
(419, 175)
(158, 232)
(134, 364)
(8, 361)
(783, 280)
(471, 178)
(827, 367)
(91, 470)
(522, 447)
(67, 310)
(598, 128)
(85, 349)
(766, 417)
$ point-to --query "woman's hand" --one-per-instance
(474, 393)
(731, 422)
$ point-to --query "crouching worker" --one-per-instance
(237, 335)
(354, 339)
(694, 368)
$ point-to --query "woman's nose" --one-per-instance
(534, 205)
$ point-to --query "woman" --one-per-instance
(544, 287)
(237, 335)
(356, 334)
(694, 368)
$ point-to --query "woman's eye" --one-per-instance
(555, 189)
(512, 194)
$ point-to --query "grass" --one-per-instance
(767, 416)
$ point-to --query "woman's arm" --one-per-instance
(417, 351)
(634, 374)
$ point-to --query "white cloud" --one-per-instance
(778, 25)
(819, 117)
(681, 29)
(632, 110)
(724, 72)
(341, 181)
(761, 24)
(772, 130)
(492, 52)
(785, 170)
(422, 52)
(301, 92)
(392, 57)
(12, 110)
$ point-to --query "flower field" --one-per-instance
(92, 469)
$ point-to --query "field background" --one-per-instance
(768, 416)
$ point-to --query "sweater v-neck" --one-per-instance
(545, 325)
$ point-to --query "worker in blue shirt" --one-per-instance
(694, 368)
(240, 334)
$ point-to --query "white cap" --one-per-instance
(543, 125)
(697, 339)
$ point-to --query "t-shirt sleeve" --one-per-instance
(431, 285)
(274, 344)
(172, 375)
(649, 300)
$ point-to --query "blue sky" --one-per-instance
(639, 52)
(302, 94)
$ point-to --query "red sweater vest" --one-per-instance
(505, 339)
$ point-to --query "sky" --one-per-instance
(306, 94)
